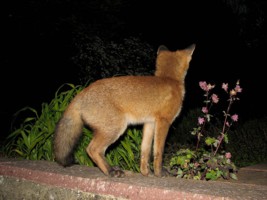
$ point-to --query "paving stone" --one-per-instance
(26, 179)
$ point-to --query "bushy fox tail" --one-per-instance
(67, 134)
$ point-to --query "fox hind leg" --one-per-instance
(102, 139)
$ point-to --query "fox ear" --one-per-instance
(190, 49)
(162, 48)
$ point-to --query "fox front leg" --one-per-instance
(161, 131)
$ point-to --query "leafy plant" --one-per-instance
(127, 153)
(202, 164)
(33, 139)
(80, 154)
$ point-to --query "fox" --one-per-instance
(109, 105)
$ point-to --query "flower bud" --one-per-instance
(232, 92)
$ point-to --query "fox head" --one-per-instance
(173, 64)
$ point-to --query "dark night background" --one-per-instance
(37, 44)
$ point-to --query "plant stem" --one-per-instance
(224, 125)
(203, 125)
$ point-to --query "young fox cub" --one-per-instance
(109, 105)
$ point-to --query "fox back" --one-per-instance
(109, 105)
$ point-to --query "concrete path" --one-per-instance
(25, 179)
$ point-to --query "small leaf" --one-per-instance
(226, 140)
(209, 141)
(233, 176)
(215, 144)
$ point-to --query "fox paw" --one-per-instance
(116, 172)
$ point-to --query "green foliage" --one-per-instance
(33, 139)
(202, 165)
(247, 143)
(80, 153)
(127, 153)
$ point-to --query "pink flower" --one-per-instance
(238, 88)
(203, 85)
(234, 117)
(228, 155)
(225, 86)
(201, 120)
(210, 86)
(227, 124)
(205, 110)
(215, 98)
